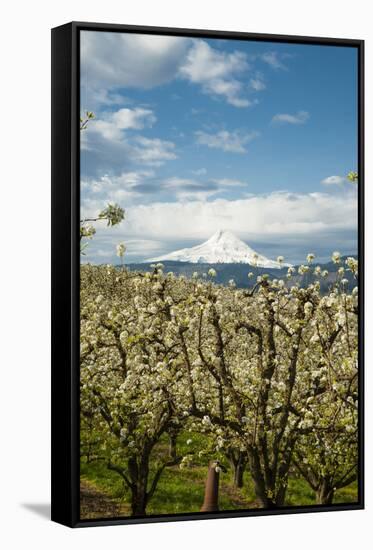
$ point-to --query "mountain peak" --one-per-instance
(222, 247)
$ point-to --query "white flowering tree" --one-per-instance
(129, 375)
(253, 378)
(253, 373)
(326, 454)
(113, 214)
(268, 375)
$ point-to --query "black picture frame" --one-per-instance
(66, 262)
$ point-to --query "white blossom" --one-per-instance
(121, 250)
(336, 257)
(206, 420)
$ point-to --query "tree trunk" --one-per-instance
(325, 493)
(138, 501)
(263, 488)
(172, 445)
(238, 475)
(238, 467)
(139, 472)
(238, 461)
(267, 503)
(261, 491)
(139, 497)
(280, 497)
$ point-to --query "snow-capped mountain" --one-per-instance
(222, 248)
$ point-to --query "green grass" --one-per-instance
(178, 491)
(104, 480)
(347, 494)
(182, 490)
(299, 493)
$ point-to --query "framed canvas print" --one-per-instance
(207, 274)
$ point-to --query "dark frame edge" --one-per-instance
(198, 516)
(213, 33)
(63, 383)
(361, 257)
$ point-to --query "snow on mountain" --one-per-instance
(222, 248)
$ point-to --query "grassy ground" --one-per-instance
(182, 490)
(179, 491)
(95, 503)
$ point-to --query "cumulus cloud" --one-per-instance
(273, 59)
(229, 182)
(136, 249)
(112, 59)
(126, 180)
(217, 72)
(118, 60)
(232, 142)
(111, 125)
(124, 189)
(334, 180)
(153, 152)
(257, 84)
(144, 186)
(191, 189)
(299, 118)
(111, 142)
(291, 220)
(92, 98)
(261, 215)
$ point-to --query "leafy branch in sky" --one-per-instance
(112, 213)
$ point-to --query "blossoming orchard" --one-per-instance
(178, 373)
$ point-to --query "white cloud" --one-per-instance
(104, 253)
(334, 180)
(216, 72)
(228, 182)
(153, 152)
(92, 98)
(112, 59)
(257, 84)
(112, 144)
(134, 249)
(189, 189)
(123, 189)
(146, 246)
(273, 59)
(136, 118)
(232, 142)
(291, 220)
(260, 216)
(111, 125)
(299, 118)
(131, 187)
(199, 172)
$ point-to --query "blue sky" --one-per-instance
(196, 135)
